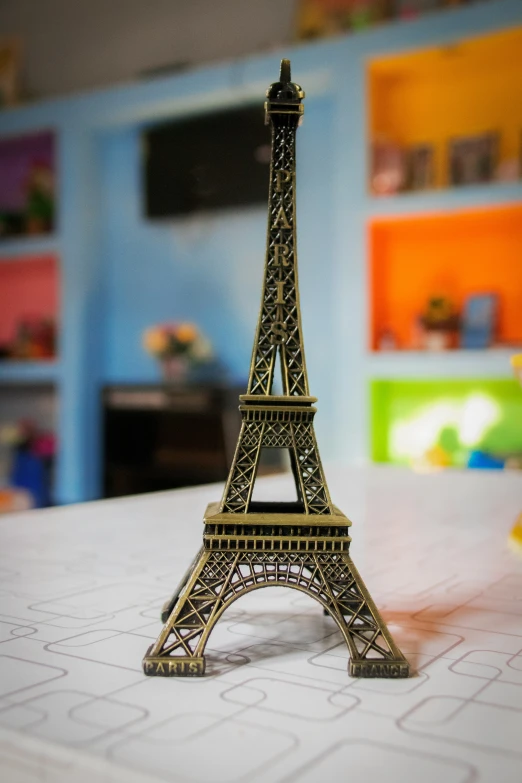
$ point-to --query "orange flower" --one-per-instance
(186, 333)
(155, 341)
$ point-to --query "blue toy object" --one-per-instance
(483, 461)
(30, 472)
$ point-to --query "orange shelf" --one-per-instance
(434, 95)
(454, 254)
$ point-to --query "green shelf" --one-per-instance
(410, 417)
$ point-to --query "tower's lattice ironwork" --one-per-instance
(279, 325)
(303, 545)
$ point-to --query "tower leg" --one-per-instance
(168, 606)
(219, 577)
(373, 653)
(177, 648)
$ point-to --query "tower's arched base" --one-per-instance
(217, 578)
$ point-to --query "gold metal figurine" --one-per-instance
(304, 545)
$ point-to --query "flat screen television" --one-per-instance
(208, 162)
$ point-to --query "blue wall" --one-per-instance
(201, 269)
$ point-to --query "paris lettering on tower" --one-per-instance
(281, 251)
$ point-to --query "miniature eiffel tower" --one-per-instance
(304, 545)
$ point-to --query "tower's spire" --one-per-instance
(285, 74)
(284, 97)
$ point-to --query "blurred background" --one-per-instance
(133, 188)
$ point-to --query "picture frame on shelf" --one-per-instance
(421, 168)
(509, 169)
(478, 322)
(472, 159)
(388, 168)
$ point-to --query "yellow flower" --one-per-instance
(155, 341)
(186, 333)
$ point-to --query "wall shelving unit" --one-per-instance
(489, 363)
(430, 201)
(44, 371)
(449, 240)
(29, 279)
(118, 272)
(29, 289)
(29, 246)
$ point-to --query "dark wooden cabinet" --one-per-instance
(163, 437)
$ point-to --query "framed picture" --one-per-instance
(421, 174)
(472, 159)
(388, 168)
(479, 321)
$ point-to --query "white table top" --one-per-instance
(80, 593)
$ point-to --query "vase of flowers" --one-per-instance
(178, 347)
